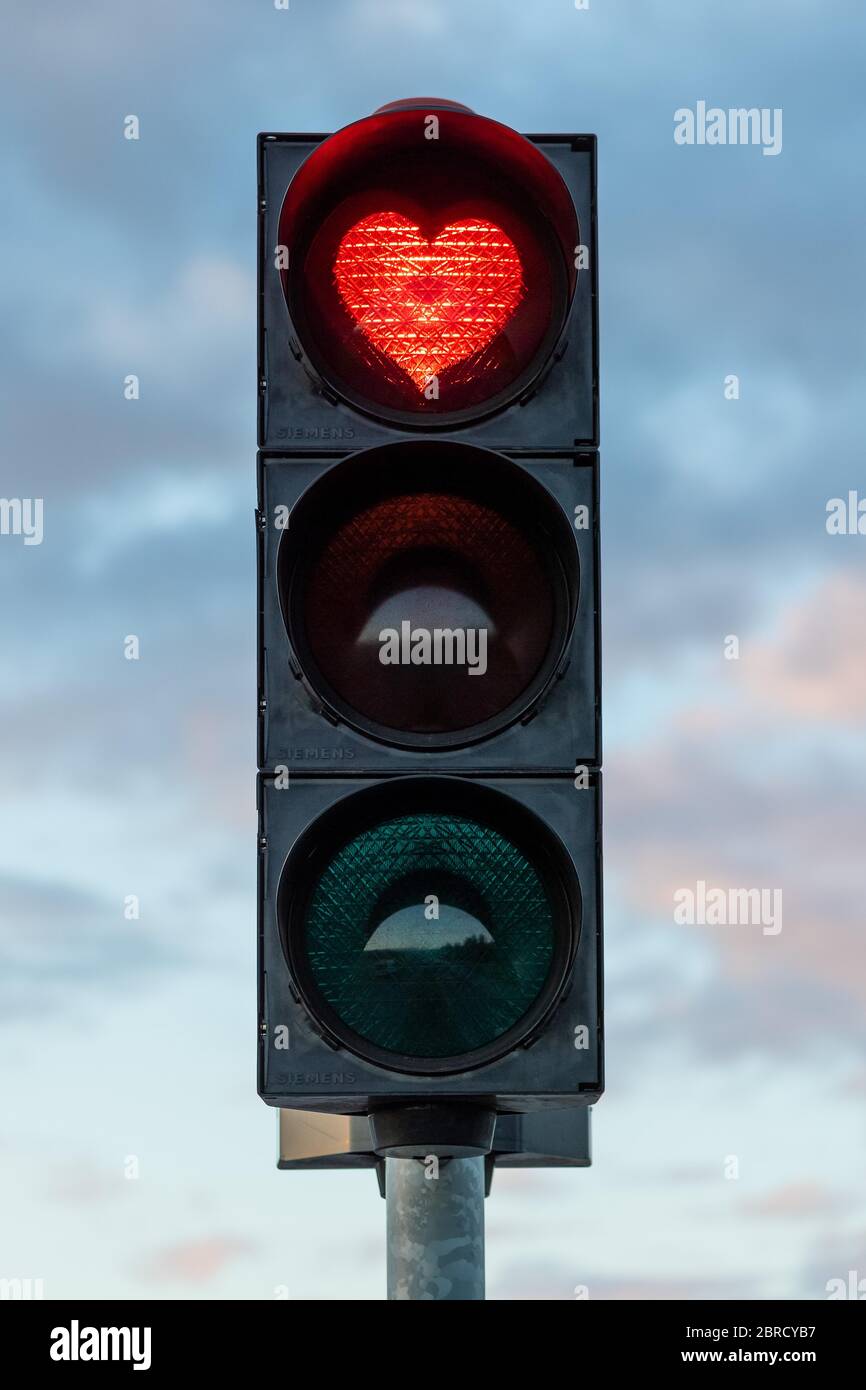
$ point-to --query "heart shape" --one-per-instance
(428, 304)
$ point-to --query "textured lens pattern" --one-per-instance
(429, 295)
(419, 984)
(428, 304)
(437, 561)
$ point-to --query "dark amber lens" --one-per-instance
(429, 612)
(429, 591)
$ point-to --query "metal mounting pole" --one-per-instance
(435, 1228)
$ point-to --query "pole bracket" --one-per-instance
(539, 1139)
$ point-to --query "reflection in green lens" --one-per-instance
(413, 982)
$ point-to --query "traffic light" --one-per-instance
(429, 713)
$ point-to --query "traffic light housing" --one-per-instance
(329, 372)
(508, 544)
(429, 692)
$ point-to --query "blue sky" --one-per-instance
(135, 1038)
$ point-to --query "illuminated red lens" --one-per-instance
(428, 280)
(428, 304)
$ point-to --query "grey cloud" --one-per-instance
(60, 943)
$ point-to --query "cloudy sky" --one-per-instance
(127, 1046)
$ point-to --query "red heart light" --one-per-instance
(428, 304)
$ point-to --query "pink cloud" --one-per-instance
(813, 666)
(195, 1261)
(721, 794)
(796, 1199)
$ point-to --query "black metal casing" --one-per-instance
(547, 1070)
(550, 433)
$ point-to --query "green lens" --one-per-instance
(429, 935)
